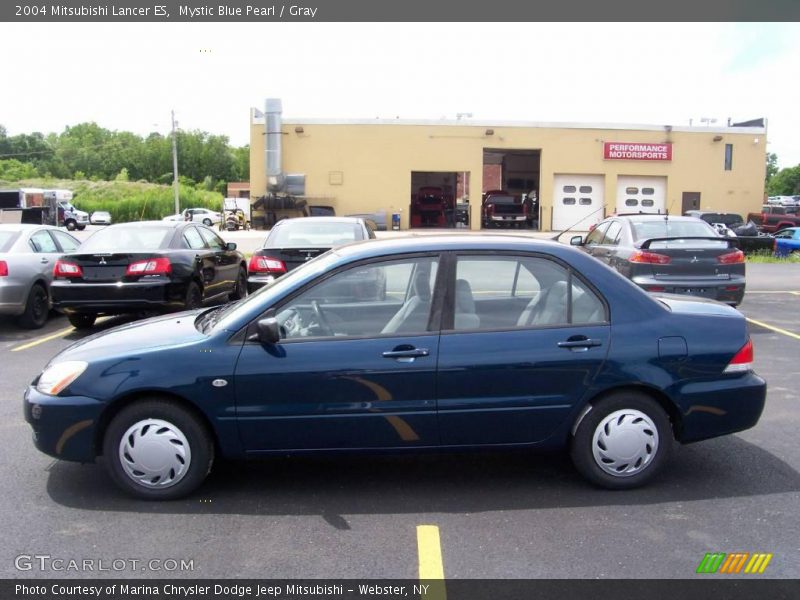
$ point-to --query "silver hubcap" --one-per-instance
(155, 453)
(624, 443)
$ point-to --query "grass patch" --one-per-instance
(767, 257)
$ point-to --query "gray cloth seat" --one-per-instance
(413, 315)
(547, 308)
(465, 314)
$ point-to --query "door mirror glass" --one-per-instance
(576, 240)
(231, 246)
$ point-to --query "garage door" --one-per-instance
(641, 194)
(577, 202)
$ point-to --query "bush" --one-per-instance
(140, 201)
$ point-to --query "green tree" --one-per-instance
(14, 170)
(772, 166)
(785, 183)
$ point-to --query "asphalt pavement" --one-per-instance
(498, 515)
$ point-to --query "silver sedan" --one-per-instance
(27, 256)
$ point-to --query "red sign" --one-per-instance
(636, 151)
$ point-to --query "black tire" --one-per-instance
(70, 225)
(654, 438)
(194, 296)
(207, 222)
(240, 287)
(81, 227)
(82, 321)
(37, 308)
(175, 425)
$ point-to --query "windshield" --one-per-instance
(226, 316)
(314, 235)
(128, 239)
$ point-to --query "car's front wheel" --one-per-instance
(240, 287)
(623, 441)
(157, 450)
(207, 222)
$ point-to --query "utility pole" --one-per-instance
(175, 165)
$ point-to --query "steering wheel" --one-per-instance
(322, 320)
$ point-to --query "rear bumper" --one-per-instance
(714, 408)
(115, 298)
(12, 298)
(63, 427)
(256, 282)
(730, 291)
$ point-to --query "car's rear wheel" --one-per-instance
(207, 222)
(82, 321)
(37, 308)
(623, 441)
(240, 288)
(194, 296)
(157, 450)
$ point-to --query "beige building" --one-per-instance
(579, 173)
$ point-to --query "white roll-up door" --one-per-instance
(641, 194)
(577, 201)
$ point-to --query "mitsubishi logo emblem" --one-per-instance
(102, 261)
(694, 259)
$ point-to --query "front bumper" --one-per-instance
(63, 427)
(508, 218)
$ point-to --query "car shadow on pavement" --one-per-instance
(332, 487)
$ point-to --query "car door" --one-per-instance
(47, 252)
(594, 240)
(226, 262)
(511, 375)
(357, 372)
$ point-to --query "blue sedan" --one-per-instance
(472, 342)
(787, 241)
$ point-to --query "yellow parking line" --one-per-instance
(773, 328)
(47, 338)
(431, 569)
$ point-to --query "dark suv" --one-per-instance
(676, 255)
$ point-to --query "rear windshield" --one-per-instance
(6, 239)
(133, 238)
(643, 230)
(502, 199)
(313, 235)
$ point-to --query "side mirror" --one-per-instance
(230, 246)
(269, 332)
(576, 240)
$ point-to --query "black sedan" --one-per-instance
(675, 255)
(147, 266)
(292, 242)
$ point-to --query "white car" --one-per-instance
(100, 217)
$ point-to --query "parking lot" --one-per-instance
(496, 515)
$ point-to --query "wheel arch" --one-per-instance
(113, 409)
(666, 403)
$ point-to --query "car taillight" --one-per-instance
(642, 256)
(67, 269)
(151, 266)
(742, 361)
(3, 268)
(731, 258)
(266, 264)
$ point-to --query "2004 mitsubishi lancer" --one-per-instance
(476, 341)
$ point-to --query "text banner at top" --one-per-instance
(398, 10)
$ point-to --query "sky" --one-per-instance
(128, 76)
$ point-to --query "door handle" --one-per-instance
(44, 261)
(407, 354)
(584, 343)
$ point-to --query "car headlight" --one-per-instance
(58, 376)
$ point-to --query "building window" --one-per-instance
(569, 201)
(648, 191)
(631, 202)
(632, 190)
(569, 189)
(728, 157)
(586, 189)
(585, 201)
(647, 202)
